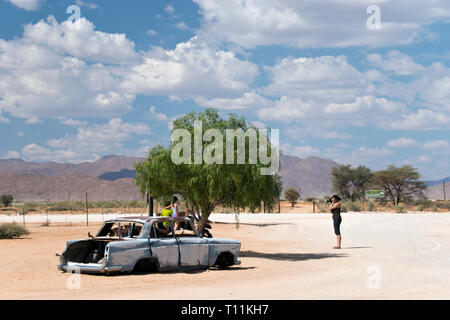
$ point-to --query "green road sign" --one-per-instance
(375, 193)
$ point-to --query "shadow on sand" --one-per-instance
(290, 256)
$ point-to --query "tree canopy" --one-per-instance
(203, 185)
(350, 183)
(6, 199)
(399, 183)
(292, 195)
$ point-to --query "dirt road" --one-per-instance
(384, 256)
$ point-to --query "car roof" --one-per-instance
(144, 219)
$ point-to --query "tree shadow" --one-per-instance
(290, 256)
(256, 224)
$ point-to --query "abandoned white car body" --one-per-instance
(147, 244)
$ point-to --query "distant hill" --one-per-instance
(311, 174)
(436, 182)
(52, 169)
(39, 187)
(112, 178)
(436, 192)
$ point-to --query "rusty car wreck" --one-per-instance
(143, 244)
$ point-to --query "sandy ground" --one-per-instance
(287, 256)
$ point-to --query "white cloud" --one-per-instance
(396, 62)
(299, 151)
(70, 89)
(44, 74)
(436, 145)
(30, 5)
(423, 119)
(247, 100)
(81, 40)
(401, 142)
(181, 26)
(89, 5)
(194, 68)
(169, 9)
(312, 23)
(157, 115)
(151, 32)
(89, 143)
(327, 78)
(73, 123)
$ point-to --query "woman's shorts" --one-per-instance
(337, 226)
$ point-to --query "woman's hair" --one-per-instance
(168, 203)
(175, 199)
(336, 196)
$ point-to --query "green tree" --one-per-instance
(291, 195)
(6, 199)
(206, 186)
(399, 183)
(350, 183)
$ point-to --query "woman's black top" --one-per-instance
(336, 213)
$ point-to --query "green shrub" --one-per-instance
(12, 230)
(323, 207)
(434, 208)
(443, 205)
(371, 206)
(353, 206)
(399, 208)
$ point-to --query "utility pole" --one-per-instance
(150, 201)
(443, 186)
(87, 211)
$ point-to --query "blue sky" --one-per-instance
(111, 82)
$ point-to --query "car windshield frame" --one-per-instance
(107, 228)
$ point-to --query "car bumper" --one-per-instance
(88, 268)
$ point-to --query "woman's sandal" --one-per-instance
(336, 247)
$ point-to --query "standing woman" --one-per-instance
(337, 219)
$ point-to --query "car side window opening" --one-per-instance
(187, 230)
(161, 229)
(124, 229)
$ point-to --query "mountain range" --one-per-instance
(111, 177)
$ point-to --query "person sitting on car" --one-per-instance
(167, 212)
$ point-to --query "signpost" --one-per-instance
(374, 193)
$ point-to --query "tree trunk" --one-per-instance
(206, 212)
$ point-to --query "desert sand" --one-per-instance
(284, 256)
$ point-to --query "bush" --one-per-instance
(353, 206)
(421, 207)
(291, 195)
(399, 208)
(323, 207)
(443, 205)
(12, 230)
(29, 206)
(6, 199)
(371, 206)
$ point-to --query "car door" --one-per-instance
(164, 248)
(194, 250)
